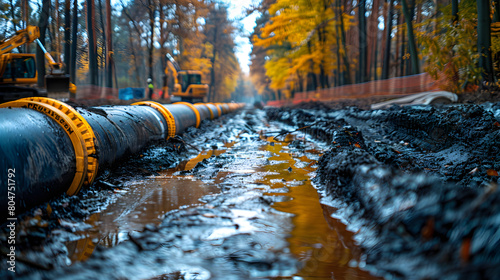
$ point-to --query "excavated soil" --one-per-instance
(418, 185)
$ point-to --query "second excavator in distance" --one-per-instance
(187, 85)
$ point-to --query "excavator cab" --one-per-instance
(18, 68)
(187, 79)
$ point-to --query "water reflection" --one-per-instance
(324, 246)
(145, 202)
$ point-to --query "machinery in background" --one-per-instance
(18, 73)
(187, 83)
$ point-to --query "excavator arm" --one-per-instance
(25, 36)
(173, 66)
(55, 67)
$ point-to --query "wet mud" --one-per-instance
(417, 184)
(232, 200)
(293, 193)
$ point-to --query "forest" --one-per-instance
(122, 44)
(297, 46)
(308, 45)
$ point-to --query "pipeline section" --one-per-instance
(48, 148)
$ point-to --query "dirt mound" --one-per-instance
(419, 183)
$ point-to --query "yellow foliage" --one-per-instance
(299, 39)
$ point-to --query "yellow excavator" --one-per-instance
(18, 74)
(187, 83)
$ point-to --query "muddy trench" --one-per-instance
(401, 193)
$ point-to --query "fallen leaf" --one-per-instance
(465, 250)
(49, 209)
(492, 172)
(428, 229)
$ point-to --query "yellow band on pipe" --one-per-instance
(165, 113)
(84, 128)
(218, 108)
(66, 120)
(194, 110)
(209, 109)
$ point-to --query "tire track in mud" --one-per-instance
(419, 183)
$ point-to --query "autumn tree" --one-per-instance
(219, 32)
(258, 56)
(450, 50)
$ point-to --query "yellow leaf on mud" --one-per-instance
(49, 209)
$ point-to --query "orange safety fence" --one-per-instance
(390, 88)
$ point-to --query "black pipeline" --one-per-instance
(47, 147)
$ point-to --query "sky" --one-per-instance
(237, 13)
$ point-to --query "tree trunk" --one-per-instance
(57, 35)
(402, 52)
(211, 93)
(109, 47)
(323, 77)
(25, 17)
(151, 9)
(454, 11)
(387, 55)
(93, 67)
(415, 63)
(362, 41)
(101, 53)
(40, 56)
(375, 61)
(484, 40)
(496, 14)
(13, 15)
(67, 35)
(74, 42)
(163, 51)
(347, 74)
(372, 37)
(132, 52)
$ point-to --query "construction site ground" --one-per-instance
(314, 191)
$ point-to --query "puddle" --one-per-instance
(323, 245)
(141, 203)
